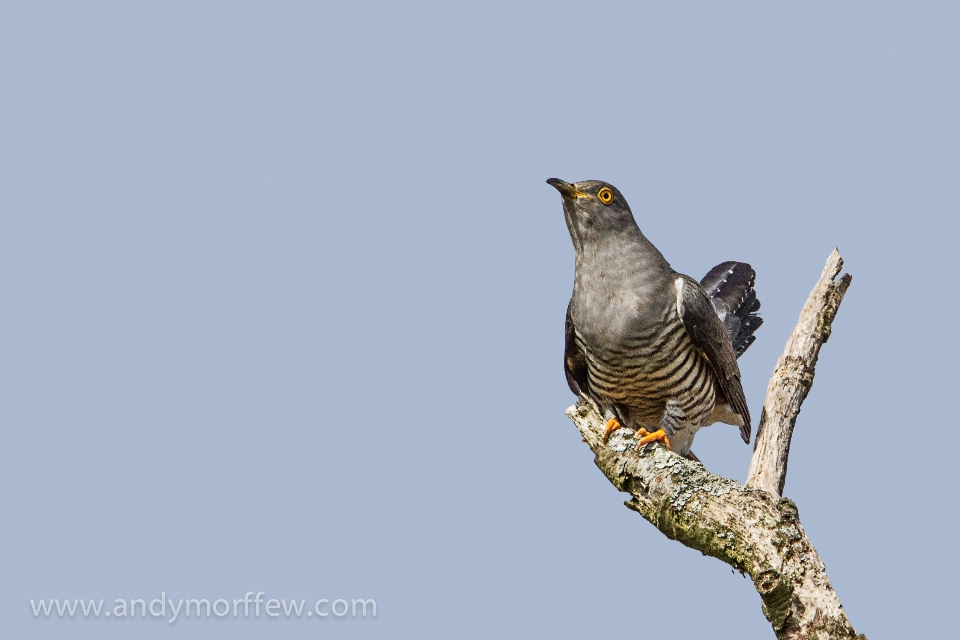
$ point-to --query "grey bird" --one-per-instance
(654, 349)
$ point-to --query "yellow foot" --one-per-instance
(612, 425)
(657, 436)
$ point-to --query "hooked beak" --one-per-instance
(566, 189)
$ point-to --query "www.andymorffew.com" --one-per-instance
(251, 605)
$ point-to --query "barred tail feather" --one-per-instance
(730, 288)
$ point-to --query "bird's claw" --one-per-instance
(612, 425)
(657, 436)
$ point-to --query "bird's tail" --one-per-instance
(730, 287)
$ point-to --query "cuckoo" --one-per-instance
(654, 349)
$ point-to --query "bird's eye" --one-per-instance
(605, 195)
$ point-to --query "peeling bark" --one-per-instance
(751, 529)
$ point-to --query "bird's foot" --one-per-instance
(612, 425)
(657, 436)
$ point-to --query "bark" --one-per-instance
(793, 377)
(751, 529)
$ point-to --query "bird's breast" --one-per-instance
(642, 361)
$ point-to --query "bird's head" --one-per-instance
(594, 209)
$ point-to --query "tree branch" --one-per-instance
(793, 377)
(752, 530)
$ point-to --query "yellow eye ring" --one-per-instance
(605, 195)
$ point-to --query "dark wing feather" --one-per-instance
(710, 337)
(574, 362)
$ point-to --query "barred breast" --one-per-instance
(647, 369)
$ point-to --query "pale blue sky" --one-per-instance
(282, 293)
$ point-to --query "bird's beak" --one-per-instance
(566, 189)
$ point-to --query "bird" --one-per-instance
(654, 349)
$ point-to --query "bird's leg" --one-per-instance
(657, 436)
(671, 420)
(612, 425)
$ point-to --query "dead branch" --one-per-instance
(793, 377)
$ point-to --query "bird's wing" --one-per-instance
(710, 337)
(574, 362)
